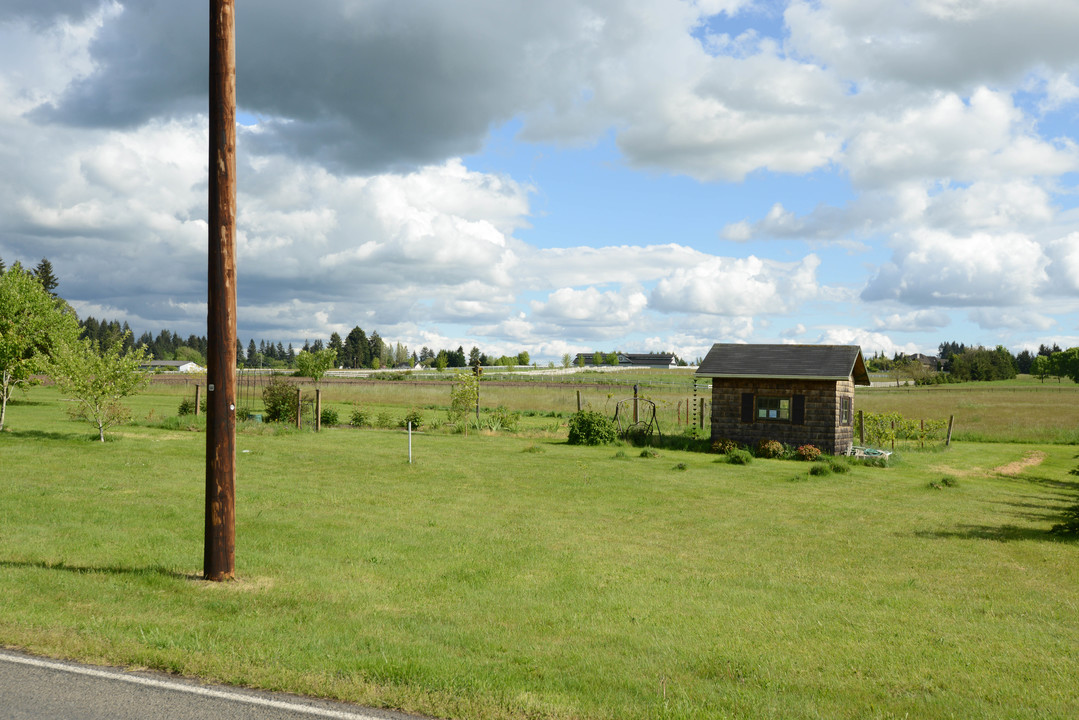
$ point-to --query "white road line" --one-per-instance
(183, 687)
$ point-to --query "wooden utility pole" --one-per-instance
(219, 555)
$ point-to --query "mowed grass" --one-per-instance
(515, 576)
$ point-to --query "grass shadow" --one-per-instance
(119, 570)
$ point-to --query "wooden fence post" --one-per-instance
(299, 406)
(578, 401)
(198, 398)
(702, 413)
(861, 428)
(948, 440)
(318, 410)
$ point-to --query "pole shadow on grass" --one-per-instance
(120, 570)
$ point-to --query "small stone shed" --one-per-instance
(796, 394)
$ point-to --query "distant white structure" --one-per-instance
(650, 360)
(184, 366)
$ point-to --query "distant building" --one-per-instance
(796, 394)
(649, 360)
(184, 366)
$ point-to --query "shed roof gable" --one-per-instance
(804, 362)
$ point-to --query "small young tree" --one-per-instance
(315, 364)
(463, 395)
(98, 379)
(279, 399)
(32, 325)
(566, 360)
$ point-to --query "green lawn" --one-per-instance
(516, 576)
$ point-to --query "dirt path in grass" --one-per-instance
(1014, 468)
(1011, 469)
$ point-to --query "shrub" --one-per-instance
(681, 466)
(648, 453)
(359, 418)
(243, 413)
(384, 420)
(187, 407)
(279, 398)
(738, 456)
(507, 419)
(329, 416)
(413, 416)
(808, 452)
(769, 448)
(838, 465)
(723, 446)
(820, 468)
(589, 427)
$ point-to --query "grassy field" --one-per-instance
(514, 576)
(1023, 410)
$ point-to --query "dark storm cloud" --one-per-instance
(356, 86)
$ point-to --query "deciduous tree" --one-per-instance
(98, 378)
(32, 326)
(315, 364)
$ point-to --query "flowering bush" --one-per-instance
(808, 452)
(723, 446)
(769, 448)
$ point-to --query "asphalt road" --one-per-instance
(33, 688)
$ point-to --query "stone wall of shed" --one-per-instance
(822, 427)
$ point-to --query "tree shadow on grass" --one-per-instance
(43, 435)
(120, 570)
(1052, 483)
(1003, 533)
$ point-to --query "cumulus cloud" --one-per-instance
(935, 268)
(948, 44)
(871, 342)
(917, 321)
(737, 286)
(994, 319)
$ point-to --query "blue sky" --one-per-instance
(562, 176)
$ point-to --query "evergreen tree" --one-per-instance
(337, 345)
(43, 273)
(291, 355)
(474, 356)
(252, 354)
(377, 348)
(2, 267)
(356, 352)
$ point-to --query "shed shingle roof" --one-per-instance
(804, 362)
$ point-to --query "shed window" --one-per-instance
(844, 411)
(773, 408)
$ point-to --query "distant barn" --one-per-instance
(796, 394)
